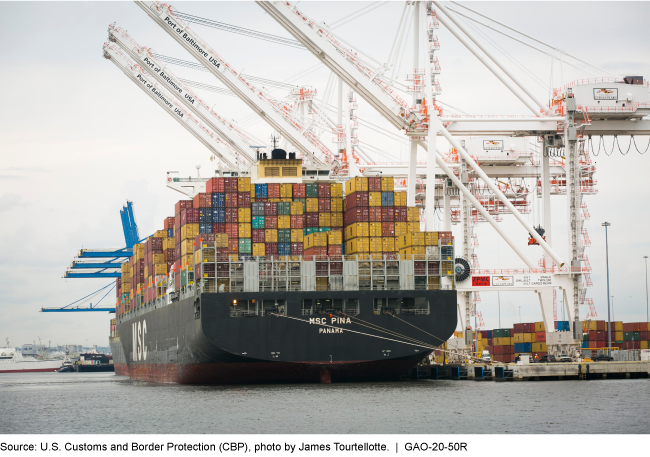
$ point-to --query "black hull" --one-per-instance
(94, 368)
(181, 346)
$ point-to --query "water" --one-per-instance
(105, 403)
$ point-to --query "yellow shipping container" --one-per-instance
(528, 337)
(158, 258)
(138, 251)
(618, 326)
(311, 205)
(160, 234)
(399, 199)
(336, 189)
(286, 190)
(221, 240)
(644, 344)
(336, 219)
(336, 205)
(286, 200)
(376, 244)
(503, 341)
(297, 235)
(318, 239)
(540, 347)
(296, 208)
(518, 338)
(187, 247)
(388, 244)
(197, 257)
(356, 230)
(431, 238)
(125, 268)
(187, 262)
(618, 336)
(244, 215)
(258, 249)
(324, 220)
(243, 184)
(284, 222)
(412, 227)
(334, 238)
(189, 231)
(412, 250)
(356, 185)
(387, 184)
(245, 230)
(539, 327)
(146, 271)
(271, 235)
(275, 200)
(374, 198)
(252, 193)
(160, 269)
(357, 246)
(411, 239)
(374, 228)
(168, 243)
(401, 228)
(412, 214)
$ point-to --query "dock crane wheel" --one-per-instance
(461, 269)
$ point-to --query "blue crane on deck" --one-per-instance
(106, 263)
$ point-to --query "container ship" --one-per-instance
(285, 275)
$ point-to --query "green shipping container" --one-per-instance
(501, 333)
(324, 229)
(245, 246)
(284, 236)
(308, 230)
(284, 209)
(258, 222)
(632, 336)
(311, 190)
(304, 203)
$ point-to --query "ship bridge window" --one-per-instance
(243, 308)
(415, 305)
(386, 305)
(274, 307)
(352, 306)
(307, 308)
(271, 172)
(323, 172)
(328, 305)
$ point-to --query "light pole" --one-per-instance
(613, 314)
(609, 320)
(647, 308)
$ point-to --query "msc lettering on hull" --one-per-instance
(138, 332)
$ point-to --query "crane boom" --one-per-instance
(343, 62)
(172, 106)
(184, 94)
(278, 116)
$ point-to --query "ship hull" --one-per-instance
(37, 370)
(119, 361)
(195, 341)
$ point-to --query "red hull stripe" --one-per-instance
(40, 370)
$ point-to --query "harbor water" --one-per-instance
(104, 403)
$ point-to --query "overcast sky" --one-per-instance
(79, 139)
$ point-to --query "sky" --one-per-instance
(78, 139)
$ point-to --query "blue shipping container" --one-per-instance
(261, 191)
(205, 228)
(219, 215)
(528, 347)
(387, 199)
(519, 347)
(284, 248)
(218, 200)
(170, 233)
(489, 333)
(585, 344)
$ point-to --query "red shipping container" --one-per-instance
(177, 223)
(354, 215)
(593, 344)
(644, 336)
(483, 334)
(532, 329)
(311, 220)
(271, 209)
(215, 185)
(627, 327)
(602, 326)
(296, 248)
(643, 327)
(271, 222)
(231, 200)
(190, 216)
(636, 344)
(258, 236)
(170, 254)
(177, 252)
(528, 328)
(222, 253)
(230, 185)
(490, 349)
(273, 190)
(324, 205)
(387, 214)
(244, 200)
(169, 223)
(499, 350)
(232, 215)
(356, 199)
(324, 190)
(259, 200)
(490, 341)
(400, 214)
(218, 227)
(636, 326)
(510, 349)
(202, 200)
(233, 245)
(154, 245)
(374, 214)
(232, 229)
(334, 249)
(298, 222)
(181, 205)
(374, 184)
(270, 249)
(518, 328)
(316, 251)
(540, 337)
(387, 229)
(593, 335)
(299, 191)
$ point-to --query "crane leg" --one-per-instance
(410, 184)
(546, 303)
